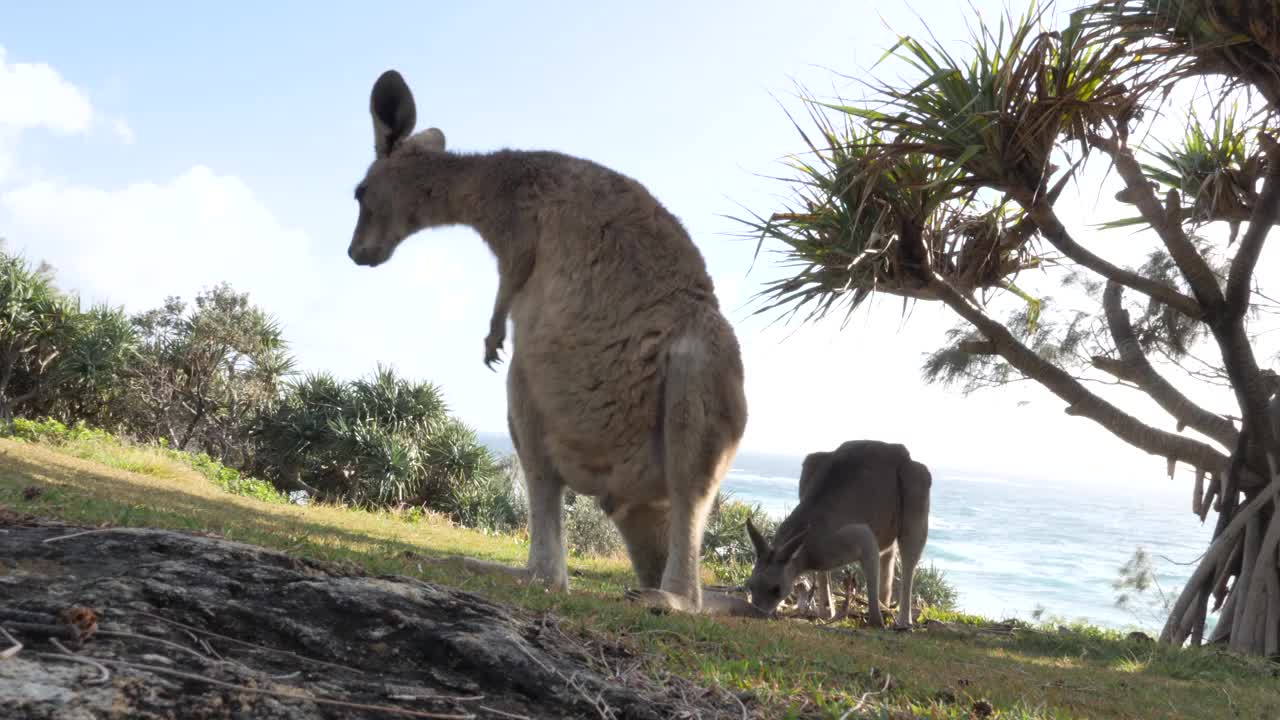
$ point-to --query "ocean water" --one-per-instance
(1011, 546)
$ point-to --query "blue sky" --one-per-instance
(160, 149)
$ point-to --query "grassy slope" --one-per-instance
(789, 666)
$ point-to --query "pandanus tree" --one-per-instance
(948, 187)
(36, 327)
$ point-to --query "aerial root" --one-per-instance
(1248, 549)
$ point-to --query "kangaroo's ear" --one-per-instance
(790, 550)
(757, 540)
(393, 110)
(431, 139)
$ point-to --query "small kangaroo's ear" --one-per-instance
(790, 550)
(393, 110)
(757, 540)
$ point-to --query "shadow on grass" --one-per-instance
(788, 664)
(153, 502)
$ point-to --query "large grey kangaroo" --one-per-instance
(625, 380)
(864, 501)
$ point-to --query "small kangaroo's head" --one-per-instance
(775, 569)
(396, 198)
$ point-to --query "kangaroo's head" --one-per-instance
(775, 569)
(398, 195)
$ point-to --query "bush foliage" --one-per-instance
(212, 386)
(215, 378)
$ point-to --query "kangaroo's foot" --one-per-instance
(902, 623)
(659, 600)
(523, 575)
(713, 603)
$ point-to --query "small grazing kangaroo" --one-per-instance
(863, 496)
(625, 380)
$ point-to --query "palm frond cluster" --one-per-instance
(1236, 39)
(938, 177)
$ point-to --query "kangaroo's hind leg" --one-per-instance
(545, 490)
(644, 531)
(916, 483)
(703, 414)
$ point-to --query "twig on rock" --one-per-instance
(502, 713)
(68, 655)
(12, 650)
(77, 534)
(255, 646)
(296, 695)
(40, 630)
(160, 641)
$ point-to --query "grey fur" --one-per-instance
(863, 496)
(625, 379)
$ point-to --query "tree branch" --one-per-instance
(1078, 398)
(1134, 366)
(1265, 213)
(1053, 230)
(1166, 221)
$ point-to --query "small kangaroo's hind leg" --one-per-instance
(916, 483)
(887, 558)
(856, 542)
(824, 604)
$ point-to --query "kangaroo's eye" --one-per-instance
(360, 192)
(777, 590)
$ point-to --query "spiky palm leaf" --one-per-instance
(1215, 167)
(902, 190)
(1237, 39)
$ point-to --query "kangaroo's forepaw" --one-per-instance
(492, 350)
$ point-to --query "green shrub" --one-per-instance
(381, 441)
(229, 479)
(53, 432)
(492, 501)
(930, 585)
(726, 548)
(933, 588)
(588, 531)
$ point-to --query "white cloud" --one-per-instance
(35, 96)
(121, 128)
(137, 244)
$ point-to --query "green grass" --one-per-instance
(793, 668)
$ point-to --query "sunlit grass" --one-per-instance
(793, 668)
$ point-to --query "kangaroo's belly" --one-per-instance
(595, 383)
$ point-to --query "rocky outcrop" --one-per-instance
(133, 623)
